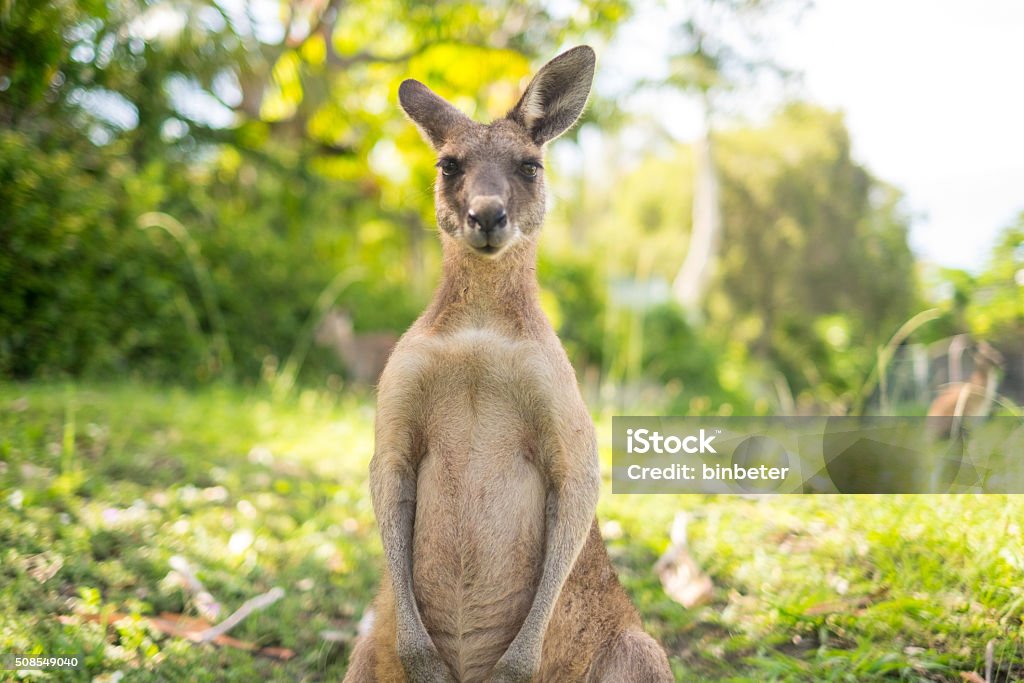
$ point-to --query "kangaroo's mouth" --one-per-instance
(488, 250)
(489, 243)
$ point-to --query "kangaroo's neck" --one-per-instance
(980, 375)
(477, 292)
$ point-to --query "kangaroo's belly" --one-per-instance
(478, 539)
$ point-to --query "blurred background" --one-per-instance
(206, 191)
(215, 222)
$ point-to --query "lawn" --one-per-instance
(100, 486)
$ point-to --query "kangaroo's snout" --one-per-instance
(488, 213)
(487, 224)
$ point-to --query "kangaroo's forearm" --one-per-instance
(393, 490)
(570, 512)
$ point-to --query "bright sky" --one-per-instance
(933, 92)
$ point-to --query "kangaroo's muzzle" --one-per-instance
(487, 225)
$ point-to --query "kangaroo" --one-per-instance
(972, 398)
(364, 355)
(485, 474)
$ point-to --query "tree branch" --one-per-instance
(364, 57)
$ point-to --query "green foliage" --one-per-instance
(687, 363)
(988, 305)
(815, 269)
(996, 308)
(814, 272)
(82, 289)
(640, 221)
(573, 285)
(284, 158)
(282, 154)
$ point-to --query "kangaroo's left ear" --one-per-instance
(556, 95)
(436, 119)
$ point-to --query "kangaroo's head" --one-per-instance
(987, 357)
(490, 177)
(336, 327)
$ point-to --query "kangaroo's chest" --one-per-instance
(479, 429)
(479, 528)
(481, 387)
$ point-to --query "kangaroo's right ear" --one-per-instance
(435, 118)
(557, 94)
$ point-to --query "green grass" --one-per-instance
(101, 485)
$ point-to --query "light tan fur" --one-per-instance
(972, 398)
(364, 355)
(485, 475)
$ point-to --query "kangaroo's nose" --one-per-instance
(488, 213)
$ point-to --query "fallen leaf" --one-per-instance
(281, 653)
(680, 575)
(837, 606)
(44, 566)
(851, 605)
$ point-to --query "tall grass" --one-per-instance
(884, 356)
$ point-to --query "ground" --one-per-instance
(101, 485)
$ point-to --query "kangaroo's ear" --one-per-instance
(435, 118)
(556, 95)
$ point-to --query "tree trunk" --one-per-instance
(694, 277)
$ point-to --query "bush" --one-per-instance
(574, 285)
(81, 290)
(686, 362)
(85, 292)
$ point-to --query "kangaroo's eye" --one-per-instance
(449, 166)
(529, 169)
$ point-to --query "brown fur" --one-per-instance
(970, 398)
(485, 474)
(364, 355)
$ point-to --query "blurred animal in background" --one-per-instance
(363, 354)
(971, 398)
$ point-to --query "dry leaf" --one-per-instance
(837, 606)
(680, 575)
(44, 566)
(189, 628)
(850, 605)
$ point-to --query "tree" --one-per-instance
(724, 46)
(815, 268)
(274, 140)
